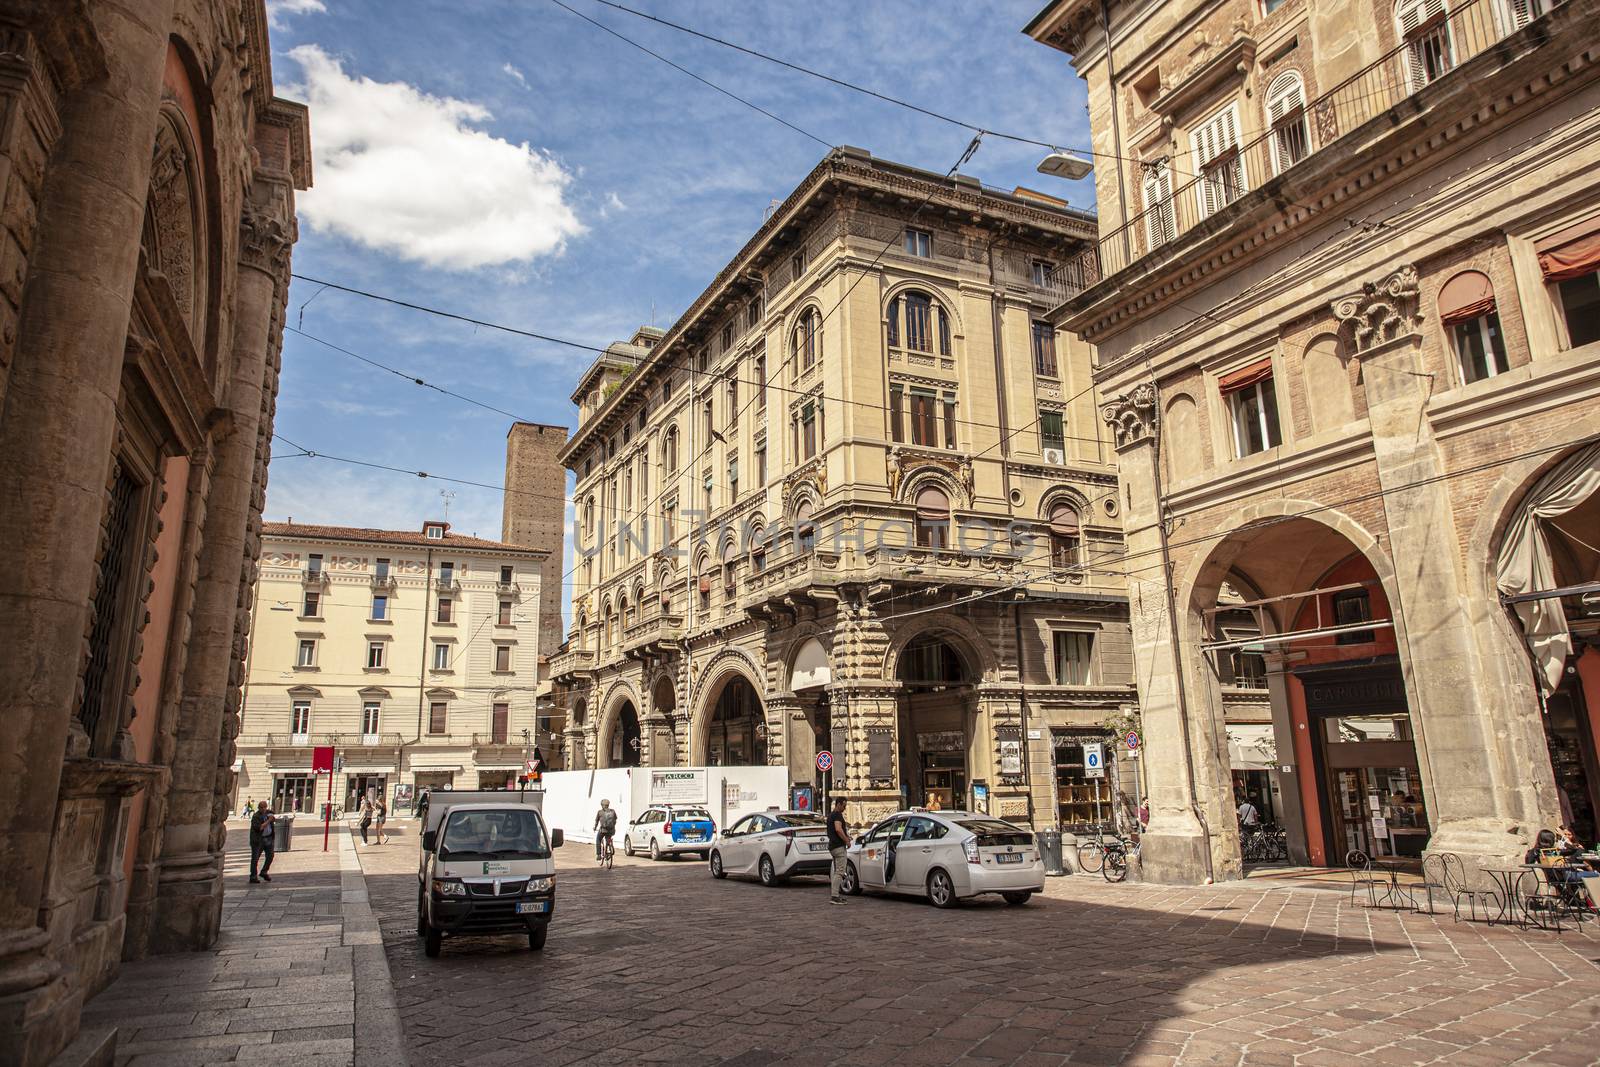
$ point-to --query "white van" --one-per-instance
(487, 867)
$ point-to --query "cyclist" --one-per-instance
(605, 825)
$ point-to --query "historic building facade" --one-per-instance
(534, 514)
(148, 178)
(1349, 342)
(415, 654)
(854, 501)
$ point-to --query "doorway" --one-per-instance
(361, 785)
(294, 793)
(625, 739)
(1373, 789)
(934, 724)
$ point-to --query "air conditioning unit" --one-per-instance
(1054, 455)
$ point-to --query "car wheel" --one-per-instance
(850, 884)
(536, 937)
(431, 942)
(627, 846)
(422, 914)
(716, 866)
(1018, 898)
(655, 849)
(941, 890)
(769, 874)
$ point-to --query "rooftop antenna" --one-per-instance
(448, 495)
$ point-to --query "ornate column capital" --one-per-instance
(264, 241)
(1383, 310)
(1132, 415)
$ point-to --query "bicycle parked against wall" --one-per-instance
(1267, 843)
(1117, 852)
(1092, 847)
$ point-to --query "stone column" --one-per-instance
(56, 433)
(998, 729)
(1293, 817)
(1181, 768)
(1482, 755)
(865, 712)
(796, 744)
(189, 898)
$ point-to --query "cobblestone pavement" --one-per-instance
(659, 963)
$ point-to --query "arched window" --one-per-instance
(1286, 115)
(914, 317)
(1425, 29)
(669, 450)
(805, 531)
(756, 545)
(933, 518)
(583, 631)
(1467, 311)
(807, 343)
(588, 517)
(622, 611)
(611, 627)
(730, 568)
(1064, 536)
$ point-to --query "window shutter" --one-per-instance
(1520, 13)
(894, 323)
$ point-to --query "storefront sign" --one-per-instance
(942, 741)
(677, 787)
(1011, 757)
(1349, 692)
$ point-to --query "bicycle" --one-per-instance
(1117, 852)
(1091, 850)
(608, 854)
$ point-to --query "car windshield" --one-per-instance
(792, 819)
(687, 813)
(499, 834)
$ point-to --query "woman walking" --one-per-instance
(366, 818)
(380, 815)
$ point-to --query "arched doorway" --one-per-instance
(663, 740)
(625, 737)
(1295, 607)
(935, 722)
(808, 680)
(577, 756)
(736, 728)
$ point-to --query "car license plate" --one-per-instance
(693, 837)
(533, 907)
(1009, 857)
(817, 847)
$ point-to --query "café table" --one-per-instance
(1396, 893)
(1507, 878)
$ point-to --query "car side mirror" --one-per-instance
(429, 839)
(557, 838)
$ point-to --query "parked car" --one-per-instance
(946, 856)
(671, 830)
(772, 845)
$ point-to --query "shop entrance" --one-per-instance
(625, 737)
(294, 793)
(935, 713)
(737, 736)
(1367, 770)
(360, 785)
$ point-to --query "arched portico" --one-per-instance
(729, 700)
(618, 739)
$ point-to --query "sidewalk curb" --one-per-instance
(379, 1035)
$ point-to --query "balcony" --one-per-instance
(1053, 283)
(383, 583)
(508, 588)
(498, 749)
(654, 636)
(447, 586)
(1356, 113)
(317, 579)
(941, 566)
(791, 580)
(575, 664)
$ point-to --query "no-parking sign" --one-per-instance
(1133, 741)
(824, 760)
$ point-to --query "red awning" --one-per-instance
(1465, 297)
(1245, 377)
(1571, 253)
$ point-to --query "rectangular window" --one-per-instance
(1254, 412)
(760, 383)
(919, 313)
(382, 569)
(710, 421)
(313, 605)
(1044, 273)
(1160, 218)
(950, 420)
(896, 402)
(500, 724)
(1350, 607)
(445, 610)
(924, 422)
(919, 243)
(1249, 669)
(1580, 307)
(380, 607)
(1052, 435)
(755, 313)
(436, 717)
(1479, 347)
(441, 657)
(447, 573)
(706, 486)
(1044, 350)
(504, 618)
(505, 575)
(1215, 146)
(1424, 24)
(727, 336)
(369, 722)
(1074, 657)
(375, 655)
(502, 657)
(797, 263)
(808, 431)
(669, 515)
(314, 564)
(733, 480)
(761, 465)
(733, 400)
(308, 653)
(666, 390)
(300, 720)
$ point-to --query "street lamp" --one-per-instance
(1066, 165)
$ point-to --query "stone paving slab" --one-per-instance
(291, 980)
(659, 963)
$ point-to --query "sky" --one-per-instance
(508, 161)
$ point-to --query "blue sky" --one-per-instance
(506, 160)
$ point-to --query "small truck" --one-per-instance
(487, 867)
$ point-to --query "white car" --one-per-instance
(946, 856)
(670, 830)
(772, 845)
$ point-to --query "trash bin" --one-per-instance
(282, 827)
(1050, 851)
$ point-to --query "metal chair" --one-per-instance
(1359, 864)
(1434, 877)
(1546, 899)
(1453, 879)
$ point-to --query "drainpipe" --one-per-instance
(1177, 655)
(999, 372)
(1022, 698)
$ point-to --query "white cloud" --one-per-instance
(515, 74)
(277, 9)
(407, 173)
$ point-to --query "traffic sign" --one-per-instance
(824, 760)
(533, 766)
(1094, 760)
(322, 759)
(1133, 741)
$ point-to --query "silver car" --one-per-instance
(946, 856)
(772, 845)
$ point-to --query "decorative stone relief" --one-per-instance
(813, 474)
(1383, 310)
(904, 462)
(170, 240)
(264, 241)
(1131, 415)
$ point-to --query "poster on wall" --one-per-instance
(404, 797)
(1010, 757)
(677, 787)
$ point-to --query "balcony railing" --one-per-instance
(496, 740)
(652, 634)
(573, 662)
(1184, 194)
(1057, 282)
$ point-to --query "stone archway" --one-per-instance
(618, 740)
(730, 700)
(663, 721)
(936, 720)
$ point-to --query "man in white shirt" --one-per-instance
(1248, 815)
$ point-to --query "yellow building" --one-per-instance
(414, 654)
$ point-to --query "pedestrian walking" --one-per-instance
(380, 815)
(838, 841)
(263, 842)
(366, 818)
